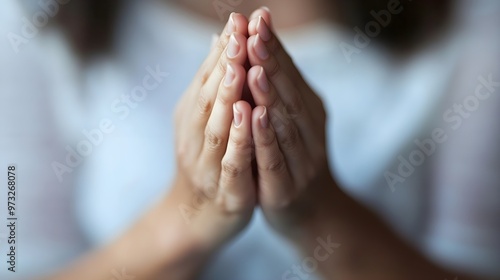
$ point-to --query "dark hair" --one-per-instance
(90, 24)
(417, 21)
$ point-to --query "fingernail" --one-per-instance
(260, 48)
(238, 117)
(262, 81)
(253, 15)
(264, 119)
(253, 24)
(263, 29)
(228, 80)
(266, 8)
(231, 27)
(233, 47)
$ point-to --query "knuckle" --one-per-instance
(205, 75)
(275, 165)
(274, 101)
(273, 69)
(242, 145)
(266, 140)
(290, 137)
(296, 107)
(231, 169)
(280, 119)
(213, 140)
(210, 190)
(224, 99)
(221, 66)
(204, 104)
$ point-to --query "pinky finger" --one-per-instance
(237, 191)
(275, 184)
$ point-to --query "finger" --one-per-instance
(237, 192)
(237, 23)
(292, 88)
(292, 107)
(260, 26)
(263, 12)
(216, 132)
(208, 96)
(235, 52)
(289, 139)
(279, 60)
(275, 184)
(190, 132)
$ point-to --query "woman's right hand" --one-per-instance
(215, 189)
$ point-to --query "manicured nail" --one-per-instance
(263, 29)
(253, 24)
(262, 81)
(238, 117)
(233, 48)
(266, 8)
(253, 15)
(264, 119)
(228, 80)
(231, 27)
(260, 48)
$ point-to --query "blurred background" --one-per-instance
(88, 89)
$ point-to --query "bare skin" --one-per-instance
(297, 193)
(299, 198)
(213, 147)
(287, 13)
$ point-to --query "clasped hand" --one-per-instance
(250, 131)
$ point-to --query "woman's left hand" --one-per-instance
(288, 127)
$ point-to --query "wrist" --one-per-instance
(181, 252)
(320, 213)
